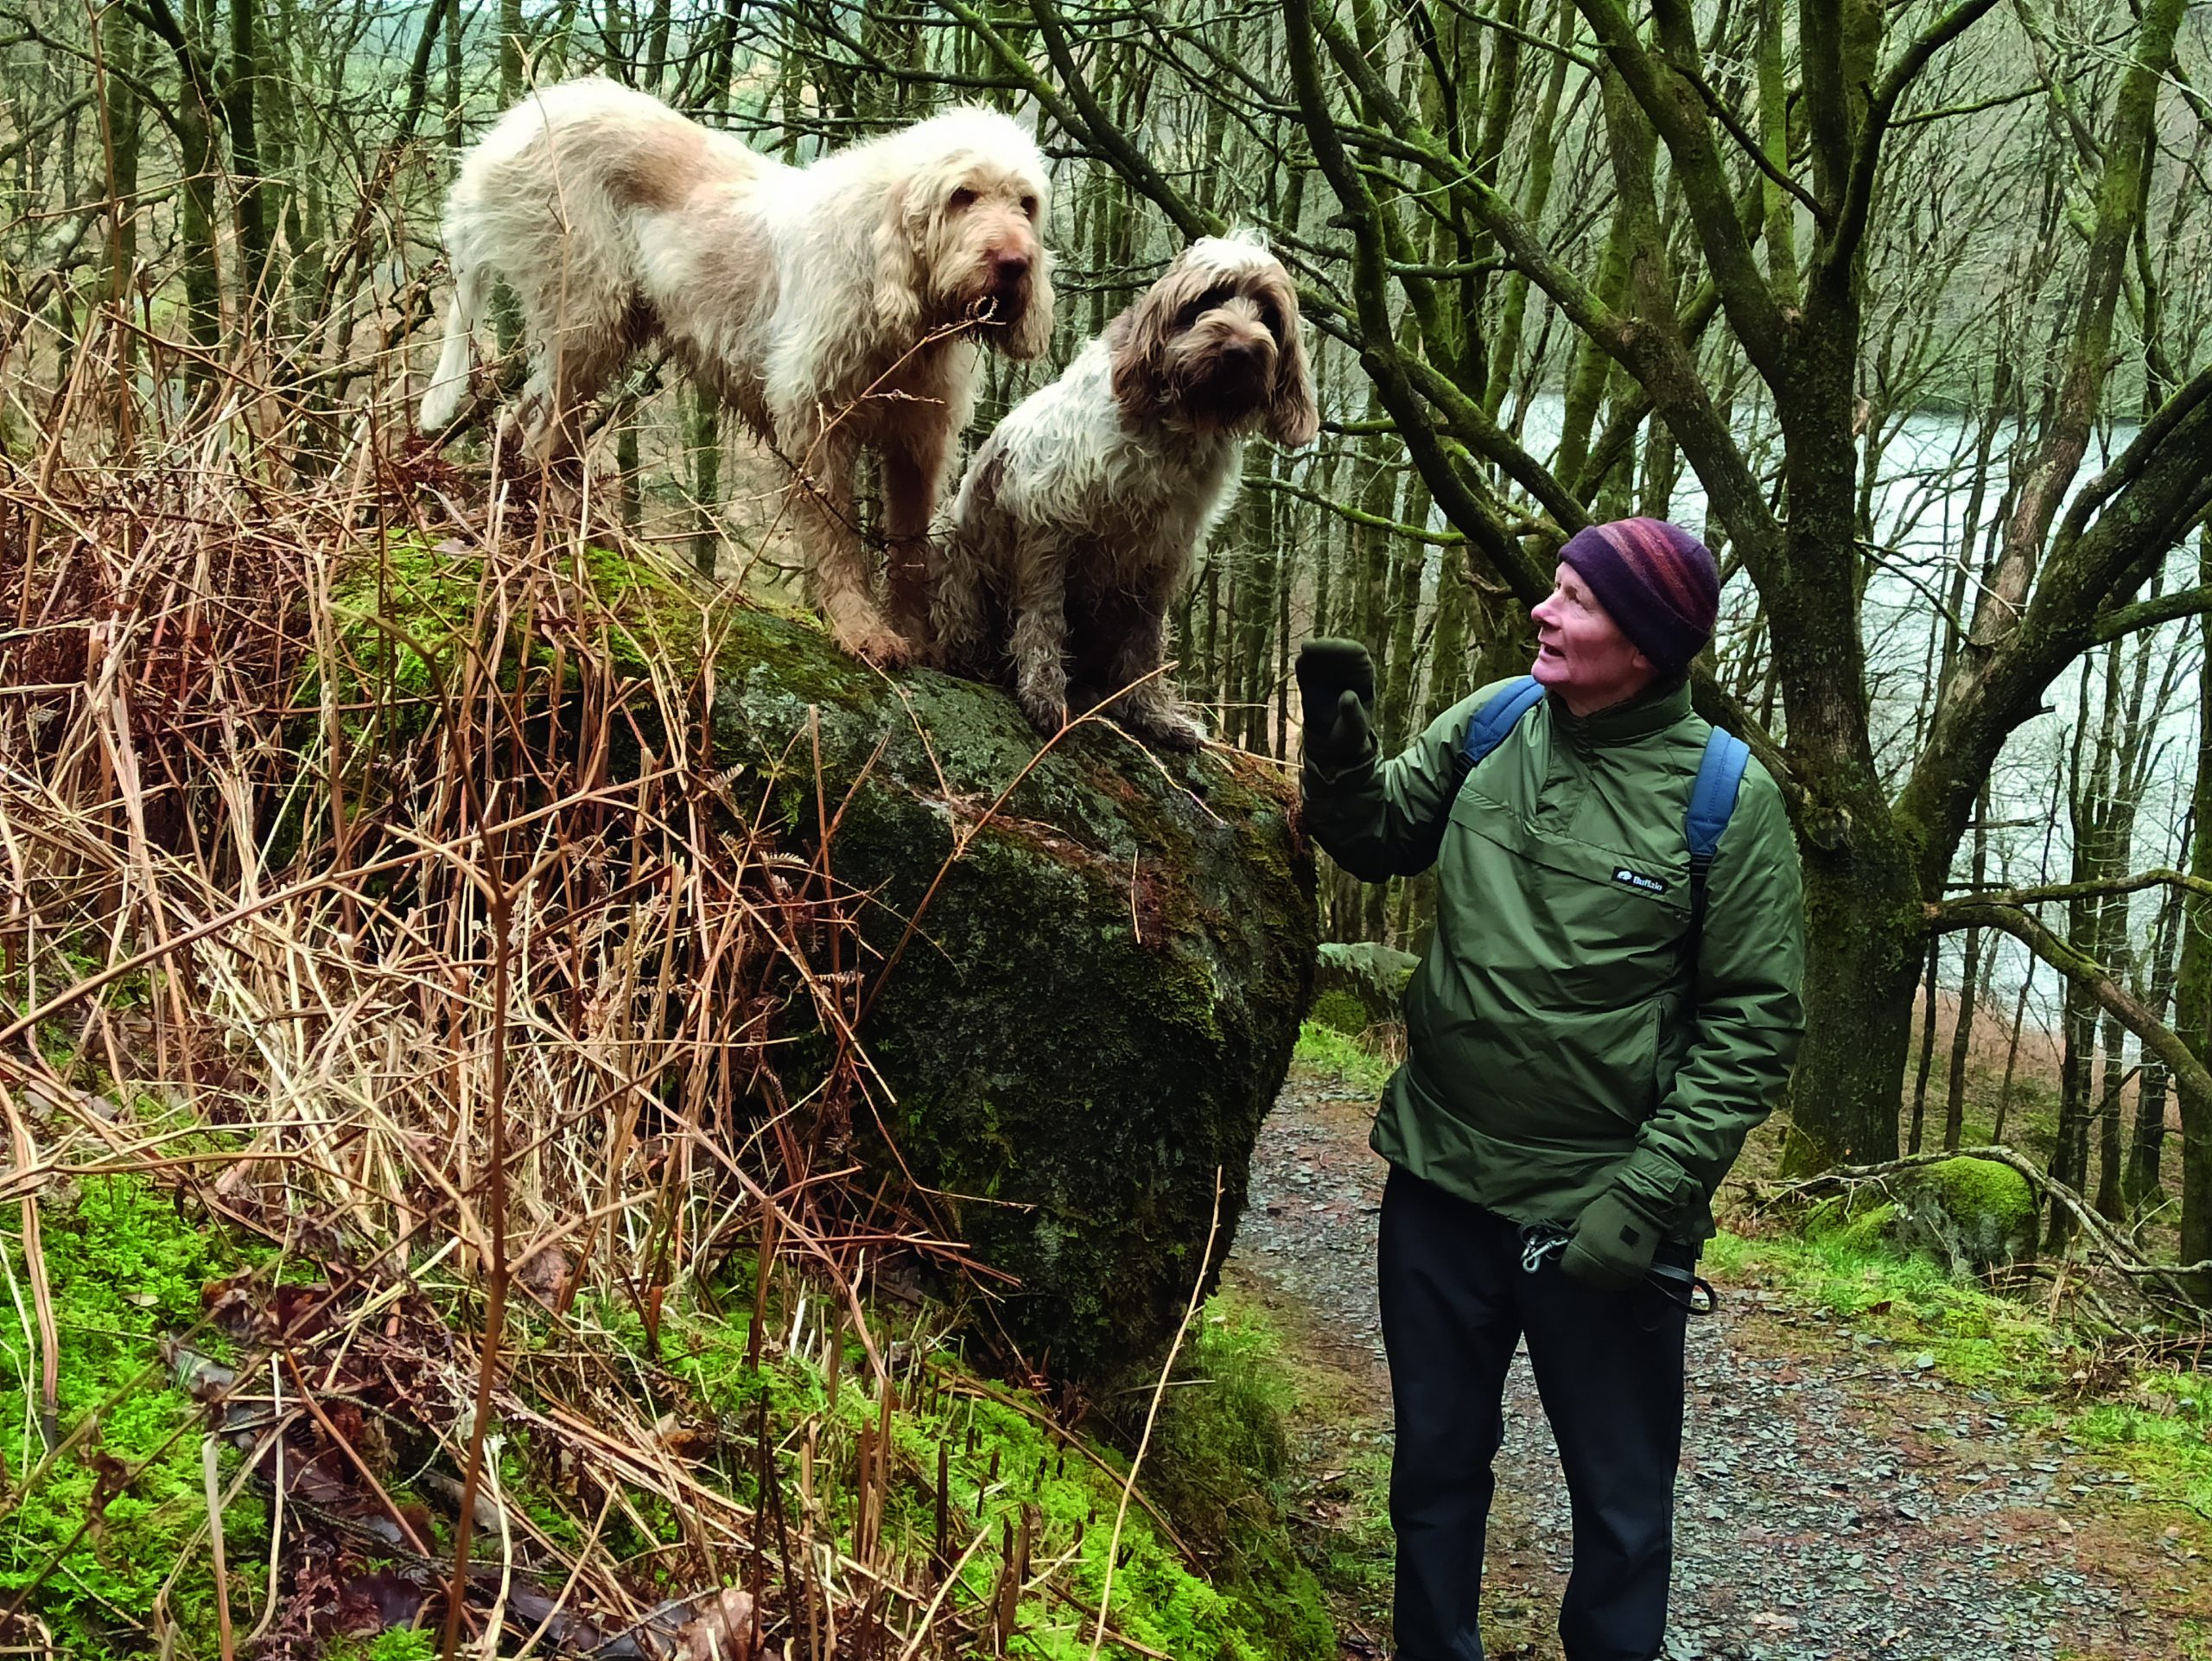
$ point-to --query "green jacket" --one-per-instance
(1557, 1040)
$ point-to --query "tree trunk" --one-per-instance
(1954, 1093)
(1401, 669)
(247, 193)
(195, 126)
(2146, 1145)
(1862, 961)
(123, 40)
(1928, 995)
(2012, 1054)
(707, 488)
(2113, 1082)
(2193, 980)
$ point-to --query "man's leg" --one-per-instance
(1609, 1367)
(1448, 1321)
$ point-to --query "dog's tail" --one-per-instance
(456, 354)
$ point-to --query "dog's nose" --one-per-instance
(1009, 268)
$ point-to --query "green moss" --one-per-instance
(1976, 1212)
(124, 1267)
(1003, 1460)
(409, 617)
(1340, 1012)
(1219, 1467)
(1150, 913)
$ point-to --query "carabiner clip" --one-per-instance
(1540, 1241)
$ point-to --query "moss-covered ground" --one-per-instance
(105, 1538)
(106, 1543)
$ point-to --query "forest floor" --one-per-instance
(1841, 1493)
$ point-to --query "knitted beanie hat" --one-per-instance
(1658, 582)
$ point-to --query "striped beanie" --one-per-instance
(1658, 582)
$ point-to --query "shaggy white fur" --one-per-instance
(1075, 525)
(832, 306)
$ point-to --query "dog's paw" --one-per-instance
(885, 648)
(1047, 717)
(1172, 732)
(1163, 724)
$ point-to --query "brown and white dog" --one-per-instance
(832, 306)
(1075, 525)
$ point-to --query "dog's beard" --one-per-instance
(1221, 393)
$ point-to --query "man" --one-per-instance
(1594, 1029)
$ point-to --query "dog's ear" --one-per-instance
(1033, 334)
(896, 287)
(1292, 417)
(1138, 342)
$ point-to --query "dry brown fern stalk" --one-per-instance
(438, 964)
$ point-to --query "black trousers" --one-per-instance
(1609, 1367)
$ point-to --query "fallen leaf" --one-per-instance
(722, 1631)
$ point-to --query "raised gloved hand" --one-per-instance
(1613, 1241)
(1336, 683)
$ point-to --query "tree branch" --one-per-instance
(1866, 158)
(1940, 916)
(1659, 83)
(2148, 613)
(1127, 159)
(1463, 500)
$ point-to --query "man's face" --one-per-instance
(1581, 654)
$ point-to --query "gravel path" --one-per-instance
(1837, 1498)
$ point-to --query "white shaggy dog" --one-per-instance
(832, 306)
(1074, 527)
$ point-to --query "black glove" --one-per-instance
(1335, 682)
(1613, 1241)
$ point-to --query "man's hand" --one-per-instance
(1612, 1244)
(1336, 683)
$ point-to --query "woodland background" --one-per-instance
(1904, 307)
(350, 1032)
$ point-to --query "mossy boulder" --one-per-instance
(1969, 1214)
(1360, 985)
(1097, 1000)
(1101, 998)
(1973, 1214)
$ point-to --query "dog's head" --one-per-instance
(1214, 346)
(961, 240)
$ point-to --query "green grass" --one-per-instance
(2166, 1438)
(1976, 1337)
(1324, 1050)
(400, 1644)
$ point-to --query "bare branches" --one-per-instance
(1850, 220)
(2182, 1064)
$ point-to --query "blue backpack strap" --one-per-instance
(1713, 798)
(1487, 730)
